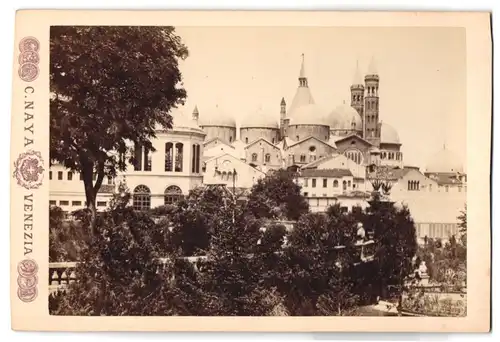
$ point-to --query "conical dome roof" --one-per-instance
(303, 95)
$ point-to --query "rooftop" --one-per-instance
(326, 173)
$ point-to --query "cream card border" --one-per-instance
(34, 315)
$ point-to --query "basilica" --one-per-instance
(334, 153)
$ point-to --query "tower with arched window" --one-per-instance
(371, 117)
(358, 94)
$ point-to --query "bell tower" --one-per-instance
(372, 119)
(357, 96)
(283, 120)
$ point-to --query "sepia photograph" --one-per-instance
(257, 171)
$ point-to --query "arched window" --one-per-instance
(354, 98)
(298, 138)
(302, 158)
(344, 185)
(142, 198)
(169, 155)
(230, 139)
(273, 141)
(268, 158)
(254, 157)
(179, 147)
(173, 194)
(335, 183)
(246, 140)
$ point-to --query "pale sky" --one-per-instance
(422, 75)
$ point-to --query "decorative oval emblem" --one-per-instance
(27, 282)
(27, 268)
(28, 170)
(29, 57)
(27, 295)
(28, 72)
(29, 44)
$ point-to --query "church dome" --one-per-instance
(388, 134)
(344, 117)
(216, 117)
(310, 114)
(444, 161)
(259, 119)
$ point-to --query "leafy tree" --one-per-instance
(120, 274)
(231, 279)
(111, 85)
(319, 261)
(277, 196)
(395, 235)
(66, 238)
(193, 219)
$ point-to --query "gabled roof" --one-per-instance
(351, 136)
(326, 173)
(261, 139)
(320, 161)
(217, 138)
(285, 143)
(311, 137)
(237, 160)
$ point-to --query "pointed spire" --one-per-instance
(283, 103)
(302, 69)
(372, 68)
(357, 75)
(196, 113)
(302, 75)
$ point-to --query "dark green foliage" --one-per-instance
(277, 196)
(395, 235)
(119, 273)
(253, 266)
(66, 238)
(318, 262)
(110, 85)
(193, 220)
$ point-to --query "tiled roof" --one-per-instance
(444, 178)
(387, 173)
(326, 173)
